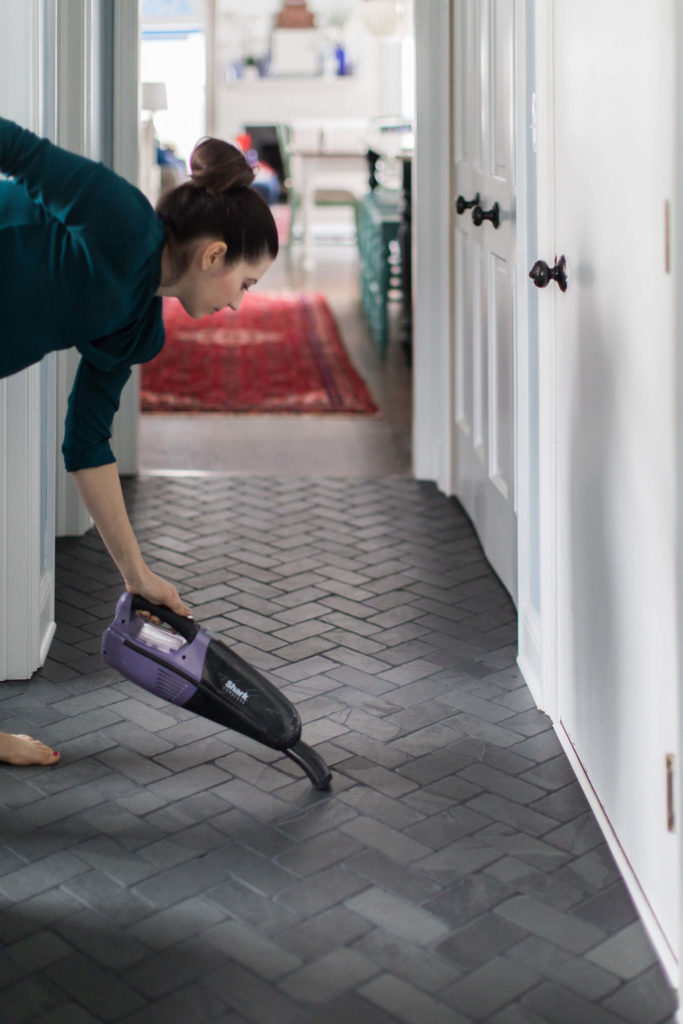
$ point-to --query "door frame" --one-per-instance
(431, 241)
(548, 695)
(72, 116)
(126, 73)
(26, 436)
(77, 118)
(531, 638)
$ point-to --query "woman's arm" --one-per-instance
(88, 456)
(100, 489)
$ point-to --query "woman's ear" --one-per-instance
(213, 255)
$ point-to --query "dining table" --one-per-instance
(331, 176)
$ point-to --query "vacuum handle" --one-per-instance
(187, 628)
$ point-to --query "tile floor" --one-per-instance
(169, 870)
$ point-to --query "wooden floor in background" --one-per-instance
(302, 445)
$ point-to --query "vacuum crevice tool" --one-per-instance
(195, 669)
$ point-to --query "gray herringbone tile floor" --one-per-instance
(169, 870)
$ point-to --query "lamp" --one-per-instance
(154, 96)
(387, 18)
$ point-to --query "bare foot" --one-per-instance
(20, 749)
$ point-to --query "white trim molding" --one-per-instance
(26, 521)
(432, 246)
(526, 433)
(73, 130)
(547, 696)
(126, 120)
(530, 657)
(23, 600)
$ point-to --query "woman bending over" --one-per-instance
(85, 262)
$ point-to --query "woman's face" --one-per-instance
(210, 285)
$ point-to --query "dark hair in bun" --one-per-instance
(218, 202)
(217, 166)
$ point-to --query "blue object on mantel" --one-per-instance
(340, 54)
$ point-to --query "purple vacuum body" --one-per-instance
(198, 671)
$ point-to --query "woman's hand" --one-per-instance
(157, 590)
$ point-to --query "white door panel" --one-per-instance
(501, 399)
(614, 386)
(501, 77)
(484, 340)
(464, 327)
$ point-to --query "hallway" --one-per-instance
(169, 870)
(304, 445)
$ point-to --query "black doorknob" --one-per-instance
(462, 204)
(479, 215)
(541, 274)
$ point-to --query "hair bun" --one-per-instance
(217, 166)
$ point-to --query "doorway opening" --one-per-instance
(349, 90)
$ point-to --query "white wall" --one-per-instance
(608, 430)
(373, 90)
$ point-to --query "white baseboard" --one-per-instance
(47, 638)
(529, 658)
(647, 915)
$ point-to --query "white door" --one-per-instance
(484, 286)
(614, 489)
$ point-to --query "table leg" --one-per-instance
(308, 211)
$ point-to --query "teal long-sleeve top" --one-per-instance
(80, 264)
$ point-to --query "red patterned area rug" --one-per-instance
(281, 353)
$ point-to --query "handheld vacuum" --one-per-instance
(195, 669)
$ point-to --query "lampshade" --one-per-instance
(387, 17)
(154, 96)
